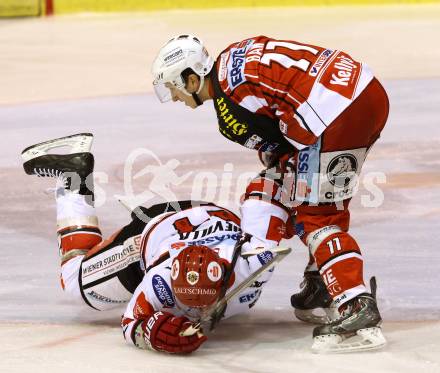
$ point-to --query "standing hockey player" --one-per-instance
(171, 265)
(312, 114)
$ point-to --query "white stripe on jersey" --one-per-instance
(291, 45)
(323, 106)
(296, 144)
(314, 122)
(253, 103)
(251, 76)
(338, 259)
(283, 92)
(79, 231)
(349, 294)
(300, 122)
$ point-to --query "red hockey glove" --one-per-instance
(162, 333)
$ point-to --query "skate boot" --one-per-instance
(357, 329)
(77, 224)
(312, 299)
(74, 169)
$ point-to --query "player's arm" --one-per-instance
(294, 128)
(153, 329)
(264, 216)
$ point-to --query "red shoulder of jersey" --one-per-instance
(305, 86)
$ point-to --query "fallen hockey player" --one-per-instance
(176, 268)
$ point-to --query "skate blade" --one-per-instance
(317, 316)
(79, 143)
(365, 340)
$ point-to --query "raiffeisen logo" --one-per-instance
(320, 62)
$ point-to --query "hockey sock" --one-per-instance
(339, 262)
(77, 225)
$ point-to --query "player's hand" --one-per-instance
(162, 332)
(268, 159)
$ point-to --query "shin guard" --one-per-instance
(339, 262)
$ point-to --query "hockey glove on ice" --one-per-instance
(162, 333)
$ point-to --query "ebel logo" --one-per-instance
(162, 291)
(341, 169)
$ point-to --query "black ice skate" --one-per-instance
(74, 169)
(312, 299)
(357, 329)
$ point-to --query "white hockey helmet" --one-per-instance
(180, 53)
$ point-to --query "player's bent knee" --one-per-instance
(330, 242)
(339, 261)
(109, 277)
(70, 278)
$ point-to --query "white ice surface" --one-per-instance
(42, 329)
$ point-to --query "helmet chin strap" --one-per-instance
(195, 95)
(196, 98)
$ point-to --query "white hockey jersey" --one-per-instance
(164, 237)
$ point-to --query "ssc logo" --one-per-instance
(341, 169)
(192, 277)
(214, 271)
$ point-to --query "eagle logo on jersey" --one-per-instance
(192, 277)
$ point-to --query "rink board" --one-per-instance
(68, 6)
(20, 8)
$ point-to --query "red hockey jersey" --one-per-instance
(302, 88)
